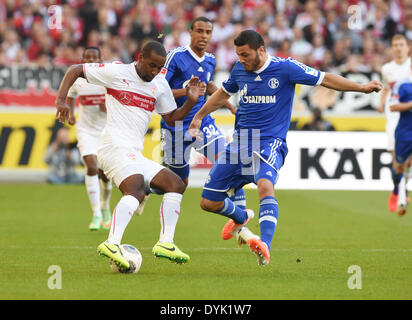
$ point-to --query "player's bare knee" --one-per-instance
(399, 168)
(204, 204)
(186, 182)
(265, 188)
(92, 170)
(178, 186)
(139, 194)
(175, 184)
(211, 206)
(133, 186)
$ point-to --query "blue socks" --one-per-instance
(232, 211)
(396, 180)
(268, 218)
(239, 199)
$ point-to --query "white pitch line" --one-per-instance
(231, 249)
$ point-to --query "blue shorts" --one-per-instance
(403, 150)
(236, 168)
(177, 146)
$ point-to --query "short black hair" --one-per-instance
(155, 46)
(92, 48)
(251, 38)
(203, 19)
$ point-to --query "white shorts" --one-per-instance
(392, 120)
(87, 142)
(120, 163)
(390, 133)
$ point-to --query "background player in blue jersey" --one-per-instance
(181, 65)
(258, 150)
(401, 100)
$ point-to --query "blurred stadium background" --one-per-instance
(39, 39)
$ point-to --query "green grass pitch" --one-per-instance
(320, 234)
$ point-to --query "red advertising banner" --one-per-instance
(29, 86)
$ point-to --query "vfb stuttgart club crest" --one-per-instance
(273, 83)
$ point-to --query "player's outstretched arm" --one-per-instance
(211, 89)
(403, 106)
(63, 110)
(219, 98)
(337, 82)
(193, 91)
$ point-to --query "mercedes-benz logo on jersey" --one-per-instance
(243, 93)
(273, 83)
(125, 97)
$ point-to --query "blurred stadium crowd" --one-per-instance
(317, 32)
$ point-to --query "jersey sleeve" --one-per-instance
(301, 73)
(230, 86)
(100, 73)
(165, 102)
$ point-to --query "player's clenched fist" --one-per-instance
(194, 128)
(72, 118)
(373, 86)
(63, 111)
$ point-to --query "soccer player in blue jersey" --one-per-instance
(401, 100)
(181, 65)
(258, 150)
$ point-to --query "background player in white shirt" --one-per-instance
(133, 92)
(92, 119)
(393, 71)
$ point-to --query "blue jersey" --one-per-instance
(266, 95)
(181, 65)
(402, 92)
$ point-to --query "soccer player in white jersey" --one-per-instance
(89, 126)
(133, 92)
(393, 71)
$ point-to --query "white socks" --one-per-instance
(169, 214)
(122, 214)
(105, 194)
(402, 192)
(407, 174)
(93, 191)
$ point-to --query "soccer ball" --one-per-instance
(132, 255)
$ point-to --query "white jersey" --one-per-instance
(91, 118)
(130, 102)
(391, 73)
